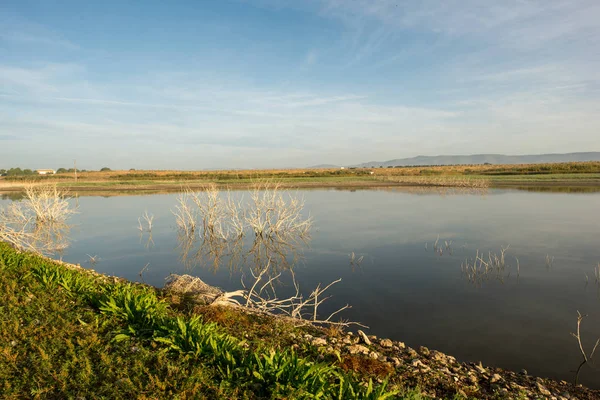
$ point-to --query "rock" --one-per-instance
(401, 345)
(319, 342)
(364, 337)
(419, 364)
(347, 340)
(308, 337)
(437, 356)
(495, 378)
(480, 368)
(373, 355)
(566, 395)
(523, 372)
(358, 349)
(542, 389)
(424, 350)
(473, 379)
(387, 343)
(395, 360)
(412, 353)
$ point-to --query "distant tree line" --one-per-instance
(28, 172)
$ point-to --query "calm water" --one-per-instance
(403, 289)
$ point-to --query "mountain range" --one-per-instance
(476, 159)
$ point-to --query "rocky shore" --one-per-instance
(439, 375)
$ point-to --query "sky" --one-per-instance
(293, 83)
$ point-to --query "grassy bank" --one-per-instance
(583, 174)
(68, 333)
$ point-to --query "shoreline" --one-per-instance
(437, 375)
(173, 187)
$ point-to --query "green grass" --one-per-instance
(65, 333)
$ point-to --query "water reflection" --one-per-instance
(239, 252)
(401, 289)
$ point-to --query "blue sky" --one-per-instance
(278, 83)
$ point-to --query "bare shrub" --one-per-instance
(270, 213)
(38, 223)
(185, 214)
(48, 203)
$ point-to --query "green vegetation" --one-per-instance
(17, 172)
(67, 333)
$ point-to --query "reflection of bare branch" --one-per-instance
(355, 262)
(93, 260)
(143, 270)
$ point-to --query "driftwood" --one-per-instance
(255, 300)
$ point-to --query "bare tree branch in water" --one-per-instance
(48, 203)
(186, 216)
(279, 228)
(577, 336)
(296, 307)
(270, 213)
(38, 223)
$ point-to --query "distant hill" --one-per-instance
(484, 158)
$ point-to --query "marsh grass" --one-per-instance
(484, 268)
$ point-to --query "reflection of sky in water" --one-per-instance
(401, 290)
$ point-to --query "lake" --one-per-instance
(399, 282)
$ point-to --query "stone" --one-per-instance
(373, 355)
(566, 395)
(395, 360)
(424, 350)
(358, 349)
(480, 368)
(437, 356)
(495, 378)
(401, 345)
(387, 343)
(523, 372)
(412, 353)
(319, 342)
(542, 389)
(473, 379)
(347, 340)
(419, 364)
(364, 337)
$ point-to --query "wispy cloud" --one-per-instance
(387, 79)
